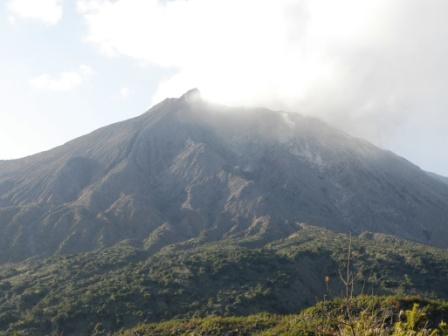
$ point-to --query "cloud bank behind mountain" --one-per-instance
(377, 69)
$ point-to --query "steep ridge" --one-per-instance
(187, 169)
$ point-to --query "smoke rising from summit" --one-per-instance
(377, 69)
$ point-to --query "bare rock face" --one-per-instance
(188, 169)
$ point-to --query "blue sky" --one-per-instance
(375, 69)
(35, 119)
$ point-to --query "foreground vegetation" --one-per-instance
(374, 316)
(120, 287)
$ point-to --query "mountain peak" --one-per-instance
(185, 170)
(191, 95)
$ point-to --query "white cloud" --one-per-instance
(64, 81)
(370, 67)
(278, 47)
(125, 92)
(46, 11)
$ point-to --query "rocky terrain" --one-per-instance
(189, 169)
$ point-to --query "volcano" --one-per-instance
(191, 169)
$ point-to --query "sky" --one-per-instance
(377, 69)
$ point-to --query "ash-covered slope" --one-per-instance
(191, 169)
(439, 177)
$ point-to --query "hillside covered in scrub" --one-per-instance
(126, 285)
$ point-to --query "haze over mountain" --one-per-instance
(190, 169)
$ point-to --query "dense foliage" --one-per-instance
(123, 286)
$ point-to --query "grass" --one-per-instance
(374, 316)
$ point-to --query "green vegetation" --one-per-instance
(208, 326)
(120, 287)
(374, 316)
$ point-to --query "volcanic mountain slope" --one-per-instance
(439, 177)
(187, 168)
